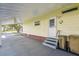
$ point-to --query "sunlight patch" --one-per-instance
(3, 36)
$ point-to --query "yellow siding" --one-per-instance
(41, 30)
(70, 22)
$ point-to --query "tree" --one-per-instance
(17, 27)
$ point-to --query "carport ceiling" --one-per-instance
(25, 10)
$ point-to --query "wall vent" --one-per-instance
(69, 10)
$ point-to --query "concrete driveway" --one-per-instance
(18, 45)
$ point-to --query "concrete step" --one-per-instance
(48, 45)
(51, 42)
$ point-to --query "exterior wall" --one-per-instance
(69, 26)
(41, 30)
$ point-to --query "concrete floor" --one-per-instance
(17, 45)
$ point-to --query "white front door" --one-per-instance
(52, 28)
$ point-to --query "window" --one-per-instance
(37, 23)
(52, 22)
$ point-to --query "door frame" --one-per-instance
(55, 24)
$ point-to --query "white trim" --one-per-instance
(55, 24)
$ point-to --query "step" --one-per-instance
(52, 39)
(48, 45)
(51, 42)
